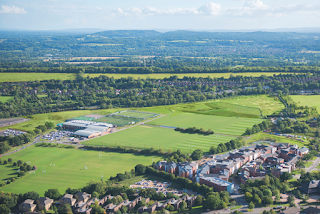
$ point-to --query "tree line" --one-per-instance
(194, 130)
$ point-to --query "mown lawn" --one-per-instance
(69, 169)
(221, 125)
(149, 136)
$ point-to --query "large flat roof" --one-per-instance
(218, 181)
(87, 124)
(86, 133)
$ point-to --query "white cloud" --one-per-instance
(209, 9)
(12, 10)
(256, 4)
(259, 9)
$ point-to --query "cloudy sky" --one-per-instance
(159, 14)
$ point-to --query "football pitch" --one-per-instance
(135, 114)
(69, 169)
(149, 136)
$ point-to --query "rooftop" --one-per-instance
(217, 181)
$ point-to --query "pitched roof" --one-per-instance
(291, 210)
(311, 210)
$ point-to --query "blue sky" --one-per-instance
(159, 14)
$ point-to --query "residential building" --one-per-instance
(27, 205)
(44, 203)
(67, 199)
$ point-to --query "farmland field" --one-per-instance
(68, 170)
(6, 98)
(311, 100)
(164, 138)
(221, 125)
(166, 75)
(20, 77)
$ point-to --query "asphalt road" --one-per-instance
(313, 165)
(23, 147)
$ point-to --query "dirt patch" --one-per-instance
(12, 121)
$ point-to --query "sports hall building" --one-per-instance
(87, 129)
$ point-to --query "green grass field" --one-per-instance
(19, 77)
(149, 136)
(55, 117)
(310, 100)
(22, 77)
(244, 106)
(219, 108)
(268, 105)
(166, 75)
(221, 125)
(119, 121)
(279, 139)
(5, 99)
(68, 170)
(134, 114)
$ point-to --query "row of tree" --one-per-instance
(258, 127)
(194, 130)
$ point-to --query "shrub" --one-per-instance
(9, 160)
(21, 174)
(5, 162)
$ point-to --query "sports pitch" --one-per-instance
(68, 170)
(221, 125)
(156, 137)
(310, 100)
(136, 114)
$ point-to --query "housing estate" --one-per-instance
(250, 162)
(84, 200)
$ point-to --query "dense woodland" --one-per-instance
(168, 50)
(105, 92)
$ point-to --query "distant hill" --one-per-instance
(128, 33)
